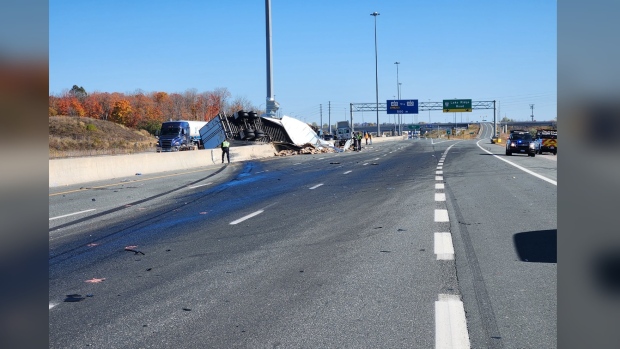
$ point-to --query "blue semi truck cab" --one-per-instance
(174, 136)
(180, 135)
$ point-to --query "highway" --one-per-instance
(407, 244)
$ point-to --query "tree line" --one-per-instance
(146, 110)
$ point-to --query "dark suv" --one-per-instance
(520, 142)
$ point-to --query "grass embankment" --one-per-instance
(77, 136)
(470, 133)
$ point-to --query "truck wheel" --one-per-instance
(532, 154)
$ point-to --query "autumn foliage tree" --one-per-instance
(145, 110)
(121, 112)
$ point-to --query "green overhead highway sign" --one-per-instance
(414, 127)
(456, 105)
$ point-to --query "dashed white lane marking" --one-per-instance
(443, 246)
(365, 164)
(439, 178)
(440, 197)
(439, 172)
(450, 323)
(316, 186)
(246, 217)
(347, 172)
(440, 167)
(72, 214)
(320, 158)
(200, 185)
(519, 167)
(439, 186)
(377, 158)
(299, 163)
(52, 305)
(441, 215)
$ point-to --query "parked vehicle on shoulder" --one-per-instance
(547, 141)
(520, 142)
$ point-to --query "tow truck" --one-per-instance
(547, 140)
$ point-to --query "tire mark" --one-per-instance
(483, 301)
(116, 209)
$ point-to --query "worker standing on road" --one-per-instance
(366, 136)
(359, 141)
(370, 137)
(226, 150)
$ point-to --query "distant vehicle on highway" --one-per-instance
(520, 142)
(547, 140)
(344, 132)
(328, 137)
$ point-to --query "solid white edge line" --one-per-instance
(439, 186)
(519, 167)
(450, 323)
(441, 215)
(201, 185)
(316, 186)
(246, 217)
(444, 249)
(72, 214)
(440, 197)
(53, 305)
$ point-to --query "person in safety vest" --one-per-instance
(359, 141)
(226, 150)
(366, 136)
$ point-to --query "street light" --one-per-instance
(397, 84)
(429, 111)
(375, 14)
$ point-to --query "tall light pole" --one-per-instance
(398, 94)
(271, 105)
(429, 111)
(397, 84)
(375, 14)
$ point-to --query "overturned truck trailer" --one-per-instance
(247, 128)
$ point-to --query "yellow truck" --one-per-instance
(547, 141)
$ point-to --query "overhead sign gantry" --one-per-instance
(425, 106)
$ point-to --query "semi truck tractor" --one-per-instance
(343, 132)
(180, 135)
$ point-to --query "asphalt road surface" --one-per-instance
(406, 244)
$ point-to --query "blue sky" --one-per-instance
(322, 51)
